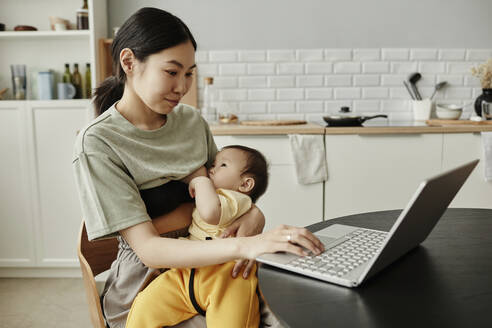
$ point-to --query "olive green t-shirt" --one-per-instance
(113, 160)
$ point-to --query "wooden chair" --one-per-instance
(95, 257)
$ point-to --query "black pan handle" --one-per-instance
(365, 118)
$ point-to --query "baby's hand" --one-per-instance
(194, 182)
(202, 171)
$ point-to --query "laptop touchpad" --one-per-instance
(326, 240)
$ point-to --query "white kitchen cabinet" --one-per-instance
(39, 210)
(460, 148)
(16, 220)
(285, 201)
(58, 211)
(377, 172)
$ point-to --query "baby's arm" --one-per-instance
(206, 199)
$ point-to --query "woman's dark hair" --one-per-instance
(256, 167)
(146, 32)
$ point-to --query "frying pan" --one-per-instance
(338, 120)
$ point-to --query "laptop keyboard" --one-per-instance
(344, 257)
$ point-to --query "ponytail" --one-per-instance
(107, 93)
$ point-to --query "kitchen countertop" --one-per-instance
(368, 128)
(238, 129)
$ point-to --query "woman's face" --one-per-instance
(164, 77)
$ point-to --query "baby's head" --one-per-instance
(242, 169)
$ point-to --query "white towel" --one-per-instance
(487, 155)
(308, 151)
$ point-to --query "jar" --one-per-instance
(82, 19)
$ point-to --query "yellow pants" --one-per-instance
(228, 302)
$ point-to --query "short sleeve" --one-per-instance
(109, 197)
(212, 147)
(233, 205)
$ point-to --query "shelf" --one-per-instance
(44, 34)
(12, 102)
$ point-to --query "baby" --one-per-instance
(237, 178)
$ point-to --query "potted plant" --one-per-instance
(484, 73)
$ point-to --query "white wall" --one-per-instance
(279, 24)
(280, 59)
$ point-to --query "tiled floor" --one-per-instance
(43, 302)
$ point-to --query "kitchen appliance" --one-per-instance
(448, 111)
(421, 109)
(413, 79)
(273, 122)
(345, 118)
(409, 90)
(438, 87)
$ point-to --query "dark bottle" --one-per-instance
(77, 82)
(67, 77)
(83, 17)
(88, 88)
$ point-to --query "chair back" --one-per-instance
(94, 257)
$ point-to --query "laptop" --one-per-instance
(354, 254)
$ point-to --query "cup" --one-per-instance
(65, 90)
(57, 20)
(421, 109)
(45, 85)
(486, 110)
(60, 26)
(18, 81)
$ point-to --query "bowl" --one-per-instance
(448, 111)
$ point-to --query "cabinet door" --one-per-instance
(464, 147)
(16, 221)
(59, 214)
(285, 201)
(377, 172)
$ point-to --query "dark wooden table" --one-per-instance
(445, 282)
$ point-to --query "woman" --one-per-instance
(133, 163)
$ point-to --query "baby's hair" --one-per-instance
(256, 167)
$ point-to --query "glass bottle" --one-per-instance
(83, 17)
(208, 109)
(88, 88)
(67, 77)
(77, 82)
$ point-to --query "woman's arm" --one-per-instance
(249, 224)
(177, 219)
(157, 252)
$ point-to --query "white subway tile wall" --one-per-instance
(307, 83)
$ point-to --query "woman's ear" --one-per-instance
(127, 60)
(247, 184)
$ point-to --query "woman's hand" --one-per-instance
(284, 238)
(249, 224)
